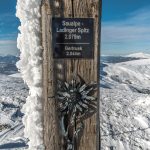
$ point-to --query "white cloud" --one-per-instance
(8, 47)
(135, 28)
(7, 17)
(3, 42)
(8, 34)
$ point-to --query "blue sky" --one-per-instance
(125, 27)
(8, 27)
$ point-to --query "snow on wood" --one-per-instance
(30, 66)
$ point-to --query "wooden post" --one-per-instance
(62, 69)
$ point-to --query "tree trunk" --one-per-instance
(61, 69)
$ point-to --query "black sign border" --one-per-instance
(93, 39)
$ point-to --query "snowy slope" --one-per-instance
(16, 75)
(139, 55)
(125, 105)
(13, 93)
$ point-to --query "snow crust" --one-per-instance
(30, 66)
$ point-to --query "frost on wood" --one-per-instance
(30, 66)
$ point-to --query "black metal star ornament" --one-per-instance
(75, 104)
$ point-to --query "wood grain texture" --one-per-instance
(51, 132)
(62, 69)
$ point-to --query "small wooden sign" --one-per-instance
(73, 37)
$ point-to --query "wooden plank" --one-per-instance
(51, 135)
(61, 69)
(86, 68)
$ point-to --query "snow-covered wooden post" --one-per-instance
(62, 69)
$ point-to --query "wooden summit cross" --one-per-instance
(71, 54)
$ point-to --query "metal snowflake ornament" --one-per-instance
(75, 103)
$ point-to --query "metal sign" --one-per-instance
(73, 37)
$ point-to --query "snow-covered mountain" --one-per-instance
(8, 64)
(13, 93)
(125, 102)
(139, 55)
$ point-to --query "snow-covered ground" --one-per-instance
(13, 93)
(125, 103)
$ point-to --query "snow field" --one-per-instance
(125, 105)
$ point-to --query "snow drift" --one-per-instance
(30, 66)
